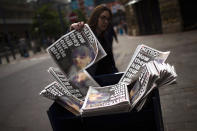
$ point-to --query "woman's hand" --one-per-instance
(77, 26)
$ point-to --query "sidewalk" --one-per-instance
(179, 102)
(19, 58)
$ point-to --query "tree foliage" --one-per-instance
(46, 22)
(81, 16)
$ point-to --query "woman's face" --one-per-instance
(103, 21)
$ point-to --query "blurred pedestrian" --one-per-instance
(23, 47)
(49, 41)
(100, 23)
(33, 46)
(125, 27)
(120, 29)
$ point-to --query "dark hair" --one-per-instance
(93, 20)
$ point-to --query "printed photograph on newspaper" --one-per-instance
(99, 97)
(76, 50)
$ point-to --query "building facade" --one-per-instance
(159, 16)
(15, 16)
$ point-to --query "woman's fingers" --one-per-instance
(77, 26)
(81, 24)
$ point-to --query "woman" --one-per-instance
(100, 22)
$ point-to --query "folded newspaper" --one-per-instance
(76, 90)
(109, 99)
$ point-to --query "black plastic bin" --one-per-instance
(148, 119)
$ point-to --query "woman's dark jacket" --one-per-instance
(107, 64)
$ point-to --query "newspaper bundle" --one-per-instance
(108, 99)
(153, 75)
(162, 74)
(76, 90)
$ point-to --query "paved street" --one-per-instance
(22, 109)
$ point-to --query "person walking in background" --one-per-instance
(100, 23)
(125, 27)
(23, 47)
(120, 29)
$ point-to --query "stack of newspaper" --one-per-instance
(109, 99)
(153, 75)
(76, 90)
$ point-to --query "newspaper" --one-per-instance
(105, 100)
(156, 75)
(75, 51)
(77, 85)
(78, 92)
(167, 79)
(56, 92)
(82, 80)
(61, 79)
(116, 98)
(142, 55)
(51, 92)
(141, 86)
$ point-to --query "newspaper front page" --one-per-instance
(108, 99)
(76, 50)
(142, 55)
